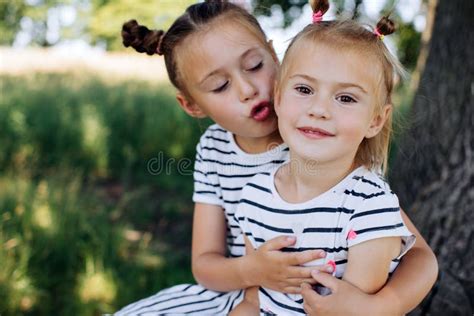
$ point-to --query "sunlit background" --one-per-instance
(86, 226)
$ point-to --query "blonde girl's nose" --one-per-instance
(320, 108)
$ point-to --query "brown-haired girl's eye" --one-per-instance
(346, 99)
(257, 67)
(221, 88)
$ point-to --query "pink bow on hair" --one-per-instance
(317, 17)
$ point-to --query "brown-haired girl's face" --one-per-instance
(229, 74)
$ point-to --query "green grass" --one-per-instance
(85, 228)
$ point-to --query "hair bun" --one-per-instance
(319, 5)
(385, 26)
(141, 38)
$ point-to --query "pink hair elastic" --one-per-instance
(379, 35)
(317, 17)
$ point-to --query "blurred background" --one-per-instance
(96, 157)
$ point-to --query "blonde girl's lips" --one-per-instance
(315, 133)
(261, 111)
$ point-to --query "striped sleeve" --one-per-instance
(206, 182)
(378, 216)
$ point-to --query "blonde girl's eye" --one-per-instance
(346, 99)
(301, 89)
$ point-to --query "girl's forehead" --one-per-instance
(215, 47)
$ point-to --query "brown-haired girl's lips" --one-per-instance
(313, 132)
(261, 111)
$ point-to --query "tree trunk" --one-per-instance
(433, 170)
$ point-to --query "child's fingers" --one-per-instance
(278, 243)
(325, 279)
(310, 298)
(305, 272)
(303, 257)
(292, 290)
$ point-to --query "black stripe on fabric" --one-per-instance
(326, 249)
(367, 181)
(231, 202)
(372, 212)
(192, 303)
(272, 228)
(258, 239)
(241, 165)
(209, 173)
(300, 301)
(206, 183)
(344, 261)
(201, 310)
(259, 187)
(372, 229)
(205, 192)
(218, 150)
(396, 260)
(233, 302)
(322, 230)
(154, 302)
(303, 211)
(231, 189)
(291, 308)
(363, 195)
(218, 139)
(217, 129)
(235, 245)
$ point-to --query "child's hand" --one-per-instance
(271, 268)
(345, 299)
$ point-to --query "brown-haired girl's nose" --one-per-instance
(247, 90)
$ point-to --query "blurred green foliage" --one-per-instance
(85, 228)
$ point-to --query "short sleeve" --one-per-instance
(206, 181)
(378, 216)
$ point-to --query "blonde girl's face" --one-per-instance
(326, 105)
(229, 75)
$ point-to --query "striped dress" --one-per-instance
(359, 208)
(221, 170)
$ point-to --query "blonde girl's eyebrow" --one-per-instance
(340, 84)
(243, 56)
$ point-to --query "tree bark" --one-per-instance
(433, 170)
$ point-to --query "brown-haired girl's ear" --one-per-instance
(378, 121)
(190, 107)
(385, 26)
(319, 5)
(272, 50)
(141, 38)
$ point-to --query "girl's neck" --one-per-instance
(257, 145)
(302, 180)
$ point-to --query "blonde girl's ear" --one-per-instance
(190, 107)
(378, 121)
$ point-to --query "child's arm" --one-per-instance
(399, 296)
(368, 263)
(267, 266)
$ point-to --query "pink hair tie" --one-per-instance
(379, 35)
(317, 17)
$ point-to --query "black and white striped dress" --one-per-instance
(221, 171)
(359, 208)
